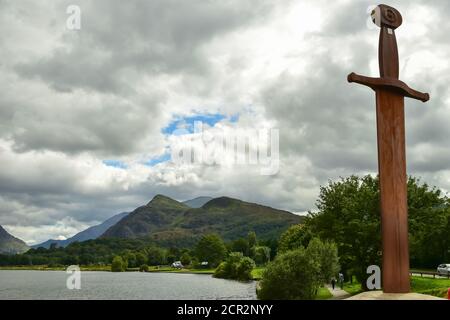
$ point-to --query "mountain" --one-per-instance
(10, 244)
(170, 222)
(197, 202)
(88, 234)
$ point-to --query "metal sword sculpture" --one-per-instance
(390, 94)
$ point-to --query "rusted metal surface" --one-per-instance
(390, 93)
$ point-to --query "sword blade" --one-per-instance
(393, 192)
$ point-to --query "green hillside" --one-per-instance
(168, 221)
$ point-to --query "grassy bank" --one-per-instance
(425, 285)
(433, 287)
(323, 294)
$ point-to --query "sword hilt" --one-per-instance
(388, 19)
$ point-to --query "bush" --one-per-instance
(291, 276)
(143, 268)
(261, 254)
(236, 267)
(185, 259)
(118, 264)
(326, 254)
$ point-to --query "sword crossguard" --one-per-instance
(389, 84)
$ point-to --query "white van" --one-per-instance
(444, 269)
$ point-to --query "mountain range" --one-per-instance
(88, 234)
(10, 244)
(170, 222)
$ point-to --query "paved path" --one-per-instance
(338, 293)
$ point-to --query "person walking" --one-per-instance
(341, 280)
(333, 283)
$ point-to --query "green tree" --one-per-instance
(211, 248)
(241, 245)
(185, 259)
(326, 254)
(236, 267)
(156, 256)
(295, 237)
(141, 259)
(251, 239)
(349, 215)
(261, 254)
(118, 264)
(293, 275)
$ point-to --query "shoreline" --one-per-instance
(256, 272)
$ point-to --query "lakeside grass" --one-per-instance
(425, 285)
(323, 294)
(430, 286)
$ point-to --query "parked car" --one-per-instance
(444, 269)
(177, 264)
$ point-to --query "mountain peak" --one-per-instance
(10, 244)
(222, 202)
(163, 201)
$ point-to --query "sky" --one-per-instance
(89, 118)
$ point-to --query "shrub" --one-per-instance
(261, 254)
(326, 254)
(185, 259)
(236, 267)
(118, 264)
(143, 268)
(291, 276)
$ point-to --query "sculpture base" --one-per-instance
(380, 295)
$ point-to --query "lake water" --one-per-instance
(127, 285)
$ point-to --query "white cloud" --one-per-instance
(71, 100)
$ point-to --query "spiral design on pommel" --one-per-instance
(386, 16)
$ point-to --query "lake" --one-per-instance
(127, 285)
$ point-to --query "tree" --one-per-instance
(251, 239)
(326, 254)
(236, 267)
(241, 245)
(293, 275)
(211, 248)
(185, 259)
(131, 259)
(118, 264)
(156, 256)
(295, 237)
(349, 215)
(261, 254)
(141, 259)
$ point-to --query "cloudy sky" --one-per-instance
(88, 117)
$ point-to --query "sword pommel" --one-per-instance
(386, 16)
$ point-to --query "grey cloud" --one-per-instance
(150, 37)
